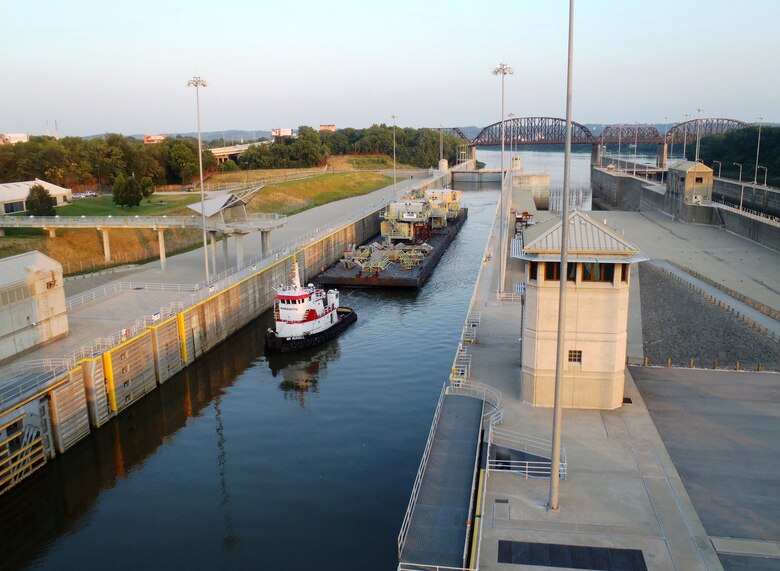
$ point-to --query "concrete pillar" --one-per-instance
(52, 232)
(225, 250)
(106, 245)
(161, 240)
(265, 238)
(595, 155)
(662, 160)
(240, 250)
(2, 231)
(213, 252)
(443, 166)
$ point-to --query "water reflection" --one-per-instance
(301, 370)
(61, 497)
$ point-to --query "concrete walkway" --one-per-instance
(622, 489)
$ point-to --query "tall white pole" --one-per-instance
(555, 459)
(636, 144)
(394, 178)
(741, 187)
(198, 82)
(698, 122)
(758, 148)
(685, 137)
(503, 70)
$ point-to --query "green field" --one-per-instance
(103, 206)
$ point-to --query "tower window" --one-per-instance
(575, 356)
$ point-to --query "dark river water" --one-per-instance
(302, 462)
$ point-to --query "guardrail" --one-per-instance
(420, 471)
(525, 443)
(747, 213)
(97, 293)
(261, 221)
(424, 567)
(200, 291)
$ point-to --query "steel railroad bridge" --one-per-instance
(552, 131)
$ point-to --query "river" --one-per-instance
(300, 462)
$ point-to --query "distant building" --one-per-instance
(153, 139)
(331, 128)
(13, 195)
(13, 138)
(690, 181)
(597, 294)
(32, 303)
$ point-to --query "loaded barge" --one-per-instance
(415, 232)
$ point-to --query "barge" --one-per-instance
(415, 232)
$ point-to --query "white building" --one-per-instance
(596, 323)
(32, 303)
(14, 194)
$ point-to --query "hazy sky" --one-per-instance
(118, 66)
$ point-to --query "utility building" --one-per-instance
(13, 195)
(32, 303)
(691, 182)
(597, 294)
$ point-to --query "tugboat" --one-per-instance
(305, 316)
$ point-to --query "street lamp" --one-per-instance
(766, 172)
(685, 137)
(719, 165)
(636, 144)
(197, 82)
(555, 448)
(758, 148)
(741, 186)
(394, 117)
(441, 142)
(503, 70)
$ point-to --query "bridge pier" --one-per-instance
(52, 232)
(213, 252)
(265, 238)
(161, 240)
(596, 151)
(106, 245)
(663, 157)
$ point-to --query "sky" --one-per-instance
(118, 66)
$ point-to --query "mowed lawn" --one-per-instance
(160, 204)
(299, 195)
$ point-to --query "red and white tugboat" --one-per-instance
(306, 316)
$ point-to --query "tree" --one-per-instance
(147, 186)
(132, 195)
(228, 166)
(118, 190)
(39, 201)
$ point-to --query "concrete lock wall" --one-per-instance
(98, 388)
(756, 230)
(753, 198)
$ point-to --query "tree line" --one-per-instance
(73, 161)
(739, 146)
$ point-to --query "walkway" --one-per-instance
(622, 489)
(438, 528)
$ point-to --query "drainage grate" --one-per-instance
(628, 400)
(571, 556)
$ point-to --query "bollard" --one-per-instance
(647, 361)
(739, 367)
(691, 363)
(668, 362)
(715, 364)
(759, 368)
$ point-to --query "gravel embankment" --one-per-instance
(678, 324)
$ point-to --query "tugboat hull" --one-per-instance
(276, 344)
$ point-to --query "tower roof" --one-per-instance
(588, 241)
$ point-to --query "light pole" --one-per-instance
(620, 136)
(555, 456)
(394, 117)
(503, 70)
(197, 82)
(766, 172)
(741, 186)
(685, 137)
(719, 165)
(667, 157)
(636, 144)
(441, 142)
(758, 148)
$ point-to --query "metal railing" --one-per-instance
(480, 391)
(748, 213)
(524, 443)
(424, 567)
(255, 222)
(97, 293)
(49, 369)
(420, 471)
